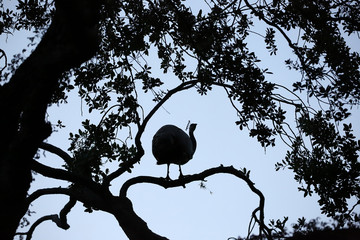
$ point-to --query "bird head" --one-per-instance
(192, 127)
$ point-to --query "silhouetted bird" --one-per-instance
(170, 144)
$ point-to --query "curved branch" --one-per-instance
(140, 151)
(34, 226)
(60, 220)
(199, 177)
(106, 112)
(263, 227)
(3, 54)
(165, 183)
(181, 87)
(47, 191)
(57, 151)
(303, 105)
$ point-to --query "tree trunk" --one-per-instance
(134, 227)
(70, 40)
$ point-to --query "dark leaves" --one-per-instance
(270, 41)
(330, 168)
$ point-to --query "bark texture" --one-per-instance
(70, 40)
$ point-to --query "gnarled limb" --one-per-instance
(199, 177)
(35, 225)
(59, 219)
(120, 207)
(62, 218)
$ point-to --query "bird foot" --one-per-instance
(180, 178)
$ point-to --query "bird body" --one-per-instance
(170, 144)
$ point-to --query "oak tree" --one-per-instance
(99, 49)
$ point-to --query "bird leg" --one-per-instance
(181, 175)
(167, 175)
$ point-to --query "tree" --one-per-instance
(98, 47)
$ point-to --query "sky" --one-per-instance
(221, 210)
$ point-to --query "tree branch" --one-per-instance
(59, 174)
(3, 54)
(60, 220)
(57, 151)
(67, 176)
(199, 177)
(47, 191)
(35, 224)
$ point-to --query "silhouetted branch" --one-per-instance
(140, 150)
(251, 225)
(181, 87)
(60, 220)
(56, 173)
(64, 212)
(34, 226)
(47, 191)
(62, 175)
(260, 15)
(165, 183)
(3, 54)
(261, 224)
(57, 151)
